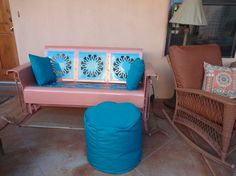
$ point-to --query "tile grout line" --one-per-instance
(159, 148)
(208, 165)
(139, 172)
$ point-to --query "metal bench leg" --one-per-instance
(1, 147)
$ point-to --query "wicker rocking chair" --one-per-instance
(209, 117)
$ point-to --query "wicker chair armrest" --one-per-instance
(215, 97)
(233, 64)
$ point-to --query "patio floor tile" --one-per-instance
(61, 152)
(174, 159)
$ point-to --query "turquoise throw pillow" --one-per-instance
(42, 69)
(135, 74)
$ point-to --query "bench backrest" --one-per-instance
(92, 64)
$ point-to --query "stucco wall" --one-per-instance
(115, 23)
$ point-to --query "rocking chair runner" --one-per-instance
(210, 116)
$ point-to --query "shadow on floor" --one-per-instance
(61, 152)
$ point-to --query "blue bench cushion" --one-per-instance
(113, 133)
(98, 86)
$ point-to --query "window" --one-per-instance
(221, 28)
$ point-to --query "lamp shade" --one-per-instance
(190, 13)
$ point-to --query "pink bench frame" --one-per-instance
(24, 78)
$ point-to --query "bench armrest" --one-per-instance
(149, 71)
(23, 74)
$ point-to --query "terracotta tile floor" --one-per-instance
(60, 152)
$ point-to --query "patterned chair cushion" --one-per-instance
(220, 80)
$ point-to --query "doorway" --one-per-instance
(8, 51)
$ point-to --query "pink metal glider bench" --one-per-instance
(86, 76)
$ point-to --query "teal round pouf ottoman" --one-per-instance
(113, 134)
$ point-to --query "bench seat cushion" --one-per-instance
(83, 97)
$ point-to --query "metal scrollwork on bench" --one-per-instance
(62, 64)
(67, 64)
(120, 64)
(92, 65)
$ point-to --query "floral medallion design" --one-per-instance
(65, 66)
(62, 64)
(224, 79)
(220, 80)
(92, 66)
(120, 65)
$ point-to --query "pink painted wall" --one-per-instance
(112, 23)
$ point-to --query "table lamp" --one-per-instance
(190, 13)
